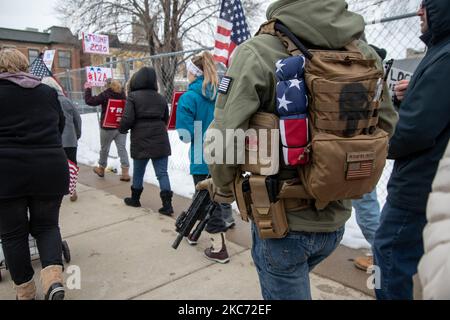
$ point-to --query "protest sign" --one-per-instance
(114, 112)
(97, 76)
(48, 57)
(173, 111)
(95, 43)
(396, 75)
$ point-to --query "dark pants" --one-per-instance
(42, 224)
(398, 247)
(218, 221)
(71, 154)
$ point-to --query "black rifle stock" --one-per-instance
(200, 210)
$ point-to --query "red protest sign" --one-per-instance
(173, 111)
(114, 112)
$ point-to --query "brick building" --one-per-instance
(31, 42)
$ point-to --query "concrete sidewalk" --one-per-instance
(126, 253)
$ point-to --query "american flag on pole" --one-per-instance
(39, 69)
(232, 30)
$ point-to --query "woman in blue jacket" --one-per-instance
(195, 112)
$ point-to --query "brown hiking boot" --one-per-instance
(52, 282)
(125, 176)
(26, 291)
(100, 171)
(218, 250)
(363, 263)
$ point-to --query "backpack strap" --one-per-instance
(292, 44)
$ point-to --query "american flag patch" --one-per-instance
(225, 84)
(359, 165)
(359, 170)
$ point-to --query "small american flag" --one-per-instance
(73, 171)
(39, 69)
(232, 30)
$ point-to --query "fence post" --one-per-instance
(68, 83)
(126, 71)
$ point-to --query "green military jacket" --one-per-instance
(324, 24)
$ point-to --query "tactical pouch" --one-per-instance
(262, 145)
(267, 213)
(344, 168)
(243, 197)
(295, 196)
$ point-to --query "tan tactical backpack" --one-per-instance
(347, 148)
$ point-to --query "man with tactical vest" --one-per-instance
(314, 224)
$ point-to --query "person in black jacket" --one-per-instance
(34, 176)
(147, 115)
(418, 144)
(108, 135)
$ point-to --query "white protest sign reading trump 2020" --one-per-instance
(97, 76)
(95, 43)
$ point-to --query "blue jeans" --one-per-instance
(397, 249)
(367, 212)
(283, 265)
(160, 166)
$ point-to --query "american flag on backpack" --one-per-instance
(73, 172)
(39, 69)
(292, 107)
(232, 30)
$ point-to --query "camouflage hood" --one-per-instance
(322, 23)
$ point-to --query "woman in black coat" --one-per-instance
(34, 176)
(147, 115)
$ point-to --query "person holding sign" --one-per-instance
(109, 134)
(147, 115)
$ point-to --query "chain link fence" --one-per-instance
(392, 25)
(170, 67)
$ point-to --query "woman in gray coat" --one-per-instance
(71, 133)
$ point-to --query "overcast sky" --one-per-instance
(20, 14)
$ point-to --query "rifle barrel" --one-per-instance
(177, 241)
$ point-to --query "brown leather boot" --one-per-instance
(26, 291)
(74, 196)
(52, 282)
(364, 263)
(125, 176)
(100, 171)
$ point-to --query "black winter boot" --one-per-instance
(166, 197)
(135, 196)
